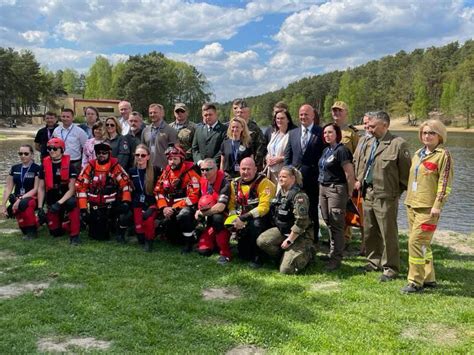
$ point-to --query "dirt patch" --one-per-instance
(328, 286)
(55, 345)
(246, 350)
(71, 285)
(17, 289)
(7, 255)
(223, 293)
(439, 334)
(9, 230)
(460, 243)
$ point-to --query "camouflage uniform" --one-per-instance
(185, 136)
(258, 144)
(290, 214)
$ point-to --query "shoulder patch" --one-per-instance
(267, 191)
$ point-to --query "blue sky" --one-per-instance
(243, 47)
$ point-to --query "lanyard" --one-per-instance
(235, 149)
(67, 135)
(49, 132)
(140, 179)
(155, 131)
(422, 155)
(23, 176)
(327, 152)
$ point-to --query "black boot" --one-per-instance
(141, 238)
(188, 245)
(120, 237)
(74, 240)
(148, 247)
(30, 233)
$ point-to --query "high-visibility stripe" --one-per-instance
(429, 256)
(416, 261)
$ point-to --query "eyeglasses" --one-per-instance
(206, 169)
(428, 133)
(23, 153)
(138, 155)
(102, 152)
(180, 111)
(109, 125)
(52, 149)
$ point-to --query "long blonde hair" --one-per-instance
(149, 173)
(245, 135)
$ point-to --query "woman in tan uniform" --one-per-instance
(429, 185)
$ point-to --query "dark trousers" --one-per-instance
(247, 242)
(311, 187)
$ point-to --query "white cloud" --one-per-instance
(37, 37)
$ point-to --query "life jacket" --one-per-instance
(172, 186)
(216, 187)
(245, 202)
(102, 187)
(282, 210)
(48, 171)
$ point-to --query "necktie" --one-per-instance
(304, 139)
(369, 171)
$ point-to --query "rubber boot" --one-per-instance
(141, 238)
(148, 246)
(188, 245)
(120, 237)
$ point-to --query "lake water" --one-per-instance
(457, 215)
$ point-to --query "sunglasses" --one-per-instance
(103, 152)
(180, 111)
(54, 149)
(428, 133)
(23, 153)
(138, 155)
(206, 169)
(109, 125)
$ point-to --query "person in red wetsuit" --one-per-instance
(104, 186)
(213, 183)
(57, 186)
(177, 194)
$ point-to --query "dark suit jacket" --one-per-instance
(307, 163)
(208, 145)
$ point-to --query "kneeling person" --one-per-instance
(177, 194)
(292, 238)
(251, 194)
(104, 185)
(57, 185)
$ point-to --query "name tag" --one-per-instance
(142, 198)
(236, 167)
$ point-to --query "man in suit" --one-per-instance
(209, 136)
(304, 148)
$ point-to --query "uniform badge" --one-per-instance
(407, 154)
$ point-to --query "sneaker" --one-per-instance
(223, 260)
(256, 263)
(411, 288)
(430, 284)
(386, 278)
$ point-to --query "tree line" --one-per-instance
(142, 79)
(405, 84)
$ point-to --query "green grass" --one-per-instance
(146, 303)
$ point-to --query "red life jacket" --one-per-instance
(48, 171)
(204, 183)
(172, 188)
(102, 187)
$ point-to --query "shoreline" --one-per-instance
(399, 124)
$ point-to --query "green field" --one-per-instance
(153, 302)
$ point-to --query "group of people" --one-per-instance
(201, 184)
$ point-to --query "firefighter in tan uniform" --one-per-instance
(350, 139)
(250, 198)
(291, 240)
(384, 178)
(429, 185)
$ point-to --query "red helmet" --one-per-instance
(56, 142)
(175, 151)
(206, 202)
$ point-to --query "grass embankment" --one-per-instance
(145, 303)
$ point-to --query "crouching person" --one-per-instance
(103, 186)
(291, 240)
(177, 193)
(215, 194)
(57, 178)
(251, 194)
(20, 190)
(143, 200)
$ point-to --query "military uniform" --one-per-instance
(185, 136)
(258, 143)
(251, 202)
(290, 214)
(385, 176)
(350, 137)
(429, 185)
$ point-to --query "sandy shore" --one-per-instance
(400, 124)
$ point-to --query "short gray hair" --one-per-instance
(383, 116)
(210, 161)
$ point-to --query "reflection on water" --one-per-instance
(457, 215)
